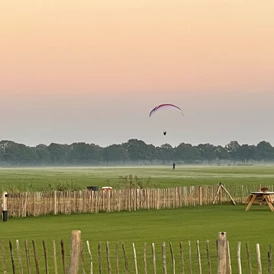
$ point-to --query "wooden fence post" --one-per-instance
(200, 195)
(75, 250)
(222, 249)
(55, 202)
(258, 253)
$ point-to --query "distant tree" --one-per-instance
(246, 152)
(115, 153)
(151, 152)
(94, 154)
(265, 151)
(165, 153)
(233, 150)
(187, 153)
(18, 154)
(221, 153)
(59, 153)
(136, 150)
(207, 152)
(77, 153)
(43, 155)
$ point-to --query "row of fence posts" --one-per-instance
(75, 251)
(218, 195)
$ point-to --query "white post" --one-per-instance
(5, 206)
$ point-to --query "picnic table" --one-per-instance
(261, 197)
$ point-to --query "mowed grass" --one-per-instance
(150, 226)
(33, 179)
(189, 223)
(154, 226)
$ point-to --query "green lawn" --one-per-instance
(190, 223)
(185, 224)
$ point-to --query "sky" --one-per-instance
(91, 71)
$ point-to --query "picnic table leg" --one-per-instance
(269, 202)
(251, 202)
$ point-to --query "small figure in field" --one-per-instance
(173, 166)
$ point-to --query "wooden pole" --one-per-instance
(135, 258)
(189, 257)
(164, 257)
(172, 258)
(217, 193)
(229, 195)
(258, 253)
(19, 256)
(54, 257)
(199, 256)
(55, 203)
(200, 195)
(145, 258)
(154, 258)
(35, 257)
(90, 255)
(63, 257)
(221, 249)
(116, 258)
(248, 259)
(269, 256)
(126, 260)
(27, 256)
(12, 258)
(208, 257)
(46, 257)
(228, 264)
(239, 258)
(108, 258)
(75, 250)
(182, 258)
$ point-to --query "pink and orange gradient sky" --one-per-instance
(90, 70)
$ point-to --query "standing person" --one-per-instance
(173, 166)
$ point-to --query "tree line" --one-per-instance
(134, 151)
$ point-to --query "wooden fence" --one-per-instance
(85, 201)
(83, 256)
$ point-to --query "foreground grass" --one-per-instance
(38, 179)
(190, 223)
(186, 224)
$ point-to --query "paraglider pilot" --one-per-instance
(164, 132)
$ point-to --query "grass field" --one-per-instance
(190, 223)
(32, 179)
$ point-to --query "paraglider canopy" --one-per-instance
(164, 106)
